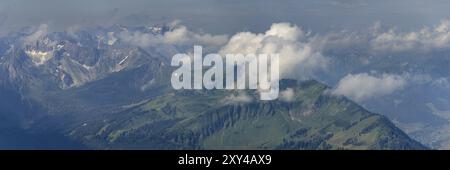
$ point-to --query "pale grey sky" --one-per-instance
(223, 16)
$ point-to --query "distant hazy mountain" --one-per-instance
(106, 94)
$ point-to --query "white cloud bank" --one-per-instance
(287, 95)
(378, 40)
(298, 56)
(360, 87)
(240, 98)
(178, 35)
(425, 38)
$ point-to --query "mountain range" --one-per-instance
(88, 90)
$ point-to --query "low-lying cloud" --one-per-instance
(240, 98)
(379, 40)
(287, 95)
(425, 39)
(363, 86)
(178, 35)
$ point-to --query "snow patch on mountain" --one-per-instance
(39, 57)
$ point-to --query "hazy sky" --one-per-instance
(223, 16)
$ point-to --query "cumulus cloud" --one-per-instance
(363, 86)
(426, 38)
(441, 82)
(287, 95)
(377, 39)
(298, 55)
(138, 38)
(178, 35)
(240, 98)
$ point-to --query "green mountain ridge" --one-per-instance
(201, 119)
